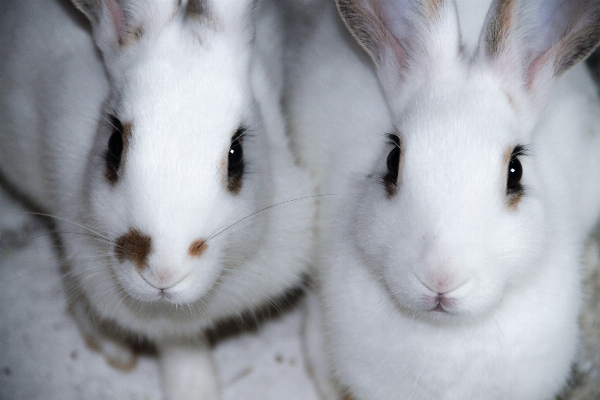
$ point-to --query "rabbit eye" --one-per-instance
(115, 149)
(236, 157)
(235, 166)
(393, 162)
(390, 179)
(515, 171)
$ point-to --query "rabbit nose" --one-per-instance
(442, 285)
(163, 278)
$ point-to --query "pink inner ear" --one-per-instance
(118, 18)
(536, 68)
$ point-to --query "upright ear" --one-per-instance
(109, 23)
(532, 43)
(404, 37)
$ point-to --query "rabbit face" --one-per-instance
(445, 217)
(176, 167)
(466, 215)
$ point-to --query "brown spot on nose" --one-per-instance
(197, 248)
(135, 247)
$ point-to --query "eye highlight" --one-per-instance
(235, 161)
(390, 178)
(114, 149)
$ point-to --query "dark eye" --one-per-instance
(393, 161)
(115, 148)
(515, 171)
(235, 166)
(236, 156)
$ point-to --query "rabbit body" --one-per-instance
(436, 279)
(155, 139)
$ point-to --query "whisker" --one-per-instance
(218, 232)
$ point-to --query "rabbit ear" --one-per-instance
(532, 43)
(109, 23)
(402, 35)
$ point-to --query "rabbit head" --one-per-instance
(181, 155)
(458, 212)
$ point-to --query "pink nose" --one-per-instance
(442, 283)
(164, 278)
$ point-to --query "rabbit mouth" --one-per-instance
(442, 303)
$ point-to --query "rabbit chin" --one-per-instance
(151, 286)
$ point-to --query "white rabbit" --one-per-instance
(458, 196)
(163, 159)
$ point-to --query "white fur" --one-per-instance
(186, 85)
(512, 274)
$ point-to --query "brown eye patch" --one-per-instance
(135, 247)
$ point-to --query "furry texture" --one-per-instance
(454, 287)
(183, 87)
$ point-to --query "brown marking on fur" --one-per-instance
(197, 248)
(135, 247)
(390, 189)
(514, 200)
(498, 26)
(196, 9)
(234, 184)
(432, 8)
(199, 10)
(111, 175)
(131, 36)
(127, 129)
